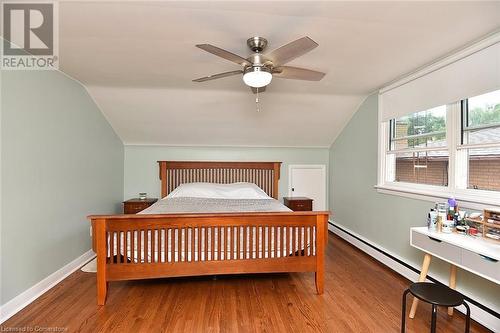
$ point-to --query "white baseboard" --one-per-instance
(20, 301)
(478, 314)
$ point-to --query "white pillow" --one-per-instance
(219, 191)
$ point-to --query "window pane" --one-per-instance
(481, 111)
(484, 169)
(482, 126)
(423, 168)
(487, 135)
(421, 129)
(484, 109)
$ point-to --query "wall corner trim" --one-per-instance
(397, 264)
(28, 296)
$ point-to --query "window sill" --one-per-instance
(472, 199)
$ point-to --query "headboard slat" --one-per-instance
(263, 174)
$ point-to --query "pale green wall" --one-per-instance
(385, 219)
(61, 161)
(141, 169)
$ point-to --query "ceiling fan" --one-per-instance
(259, 69)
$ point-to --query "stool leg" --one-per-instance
(403, 307)
(453, 283)
(467, 318)
(433, 319)
(423, 275)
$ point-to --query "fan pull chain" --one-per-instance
(257, 101)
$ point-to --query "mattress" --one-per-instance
(210, 205)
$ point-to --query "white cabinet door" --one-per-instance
(309, 181)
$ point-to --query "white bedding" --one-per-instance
(219, 191)
(211, 205)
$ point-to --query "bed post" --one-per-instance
(163, 178)
(320, 253)
(101, 242)
(276, 179)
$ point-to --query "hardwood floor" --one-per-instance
(361, 295)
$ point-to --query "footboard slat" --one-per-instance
(251, 252)
(284, 238)
(132, 245)
(199, 244)
(237, 236)
(151, 245)
(138, 247)
(230, 243)
(270, 241)
(185, 243)
(219, 242)
(212, 243)
(119, 245)
(244, 245)
(111, 247)
(179, 245)
(192, 241)
(170, 244)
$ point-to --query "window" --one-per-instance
(449, 150)
(481, 140)
(439, 129)
(418, 148)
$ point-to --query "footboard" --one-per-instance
(151, 246)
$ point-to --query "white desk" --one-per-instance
(474, 254)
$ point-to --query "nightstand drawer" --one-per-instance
(298, 203)
(301, 205)
(134, 206)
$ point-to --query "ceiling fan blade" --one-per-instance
(224, 54)
(288, 72)
(261, 89)
(217, 76)
(292, 50)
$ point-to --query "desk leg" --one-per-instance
(453, 283)
(423, 275)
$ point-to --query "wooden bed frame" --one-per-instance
(222, 243)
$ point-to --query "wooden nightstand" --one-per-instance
(133, 206)
(298, 203)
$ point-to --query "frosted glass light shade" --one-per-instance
(257, 77)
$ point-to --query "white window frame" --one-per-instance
(457, 173)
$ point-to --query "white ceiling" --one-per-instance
(138, 59)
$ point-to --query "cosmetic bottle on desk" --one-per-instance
(442, 215)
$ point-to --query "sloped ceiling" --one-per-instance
(137, 60)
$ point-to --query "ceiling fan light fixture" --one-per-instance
(257, 76)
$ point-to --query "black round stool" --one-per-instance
(437, 295)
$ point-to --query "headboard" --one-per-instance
(264, 174)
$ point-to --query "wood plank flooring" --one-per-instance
(361, 295)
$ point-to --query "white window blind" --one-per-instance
(474, 74)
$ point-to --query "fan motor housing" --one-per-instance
(257, 44)
(258, 59)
